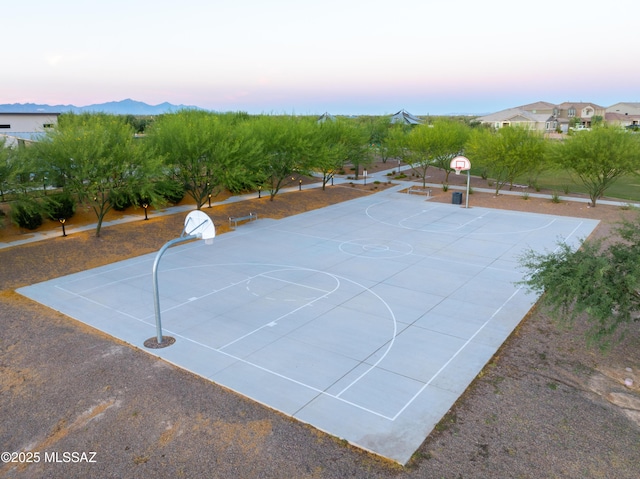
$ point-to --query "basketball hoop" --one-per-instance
(202, 226)
(462, 163)
(197, 225)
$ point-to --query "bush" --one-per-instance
(172, 191)
(239, 184)
(26, 214)
(59, 206)
(120, 200)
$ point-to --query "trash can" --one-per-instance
(456, 198)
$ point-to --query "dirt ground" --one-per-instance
(545, 407)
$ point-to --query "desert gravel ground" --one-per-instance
(545, 407)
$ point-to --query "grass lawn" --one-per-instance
(625, 188)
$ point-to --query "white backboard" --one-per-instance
(198, 223)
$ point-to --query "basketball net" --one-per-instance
(458, 170)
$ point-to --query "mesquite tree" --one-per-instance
(599, 282)
(598, 157)
(97, 160)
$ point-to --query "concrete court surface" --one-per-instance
(366, 319)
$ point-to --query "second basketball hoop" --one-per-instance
(462, 163)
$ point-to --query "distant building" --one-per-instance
(547, 117)
(18, 128)
(584, 113)
(624, 114)
(406, 118)
(326, 116)
(519, 117)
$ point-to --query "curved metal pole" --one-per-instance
(156, 296)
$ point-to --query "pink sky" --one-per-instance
(357, 57)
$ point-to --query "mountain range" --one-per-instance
(123, 107)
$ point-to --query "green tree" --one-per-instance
(598, 157)
(328, 151)
(378, 127)
(417, 149)
(397, 141)
(425, 145)
(18, 171)
(96, 157)
(356, 141)
(600, 282)
(204, 151)
(336, 143)
(7, 167)
(286, 146)
(448, 139)
(506, 153)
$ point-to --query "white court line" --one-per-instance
(445, 365)
(275, 321)
(131, 262)
(355, 381)
(572, 233)
(454, 228)
(389, 346)
(439, 229)
(337, 278)
(366, 211)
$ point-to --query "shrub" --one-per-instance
(58, 206)
(555, 198)
(171, 190)
(445, 187)
(525, 196)
(26, 214)
(120, 200)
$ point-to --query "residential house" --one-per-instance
(546, 117)
(624, 114)
(520, 117)
(582, 114)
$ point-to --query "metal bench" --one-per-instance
(420, 191)
(233, 220)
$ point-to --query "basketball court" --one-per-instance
(366, 319)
